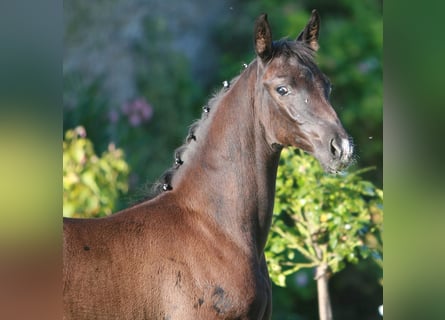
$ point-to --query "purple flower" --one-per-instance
(113, 116)
(138, 111)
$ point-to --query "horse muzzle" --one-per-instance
(341, 152)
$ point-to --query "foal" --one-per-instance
(196, 250)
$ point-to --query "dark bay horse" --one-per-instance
(195, 250)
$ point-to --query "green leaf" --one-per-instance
(281, 280)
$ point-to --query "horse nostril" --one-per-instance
(336, 150)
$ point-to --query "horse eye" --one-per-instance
(282, 90)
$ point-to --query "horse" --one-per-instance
(195, 249)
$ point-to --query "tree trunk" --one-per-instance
(324, 302)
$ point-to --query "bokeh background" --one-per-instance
(31, 128)
(137, 73)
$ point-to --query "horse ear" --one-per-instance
(263, 38)
(309, 35)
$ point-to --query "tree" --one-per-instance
(322, 221)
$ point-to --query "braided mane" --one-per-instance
(164, 183)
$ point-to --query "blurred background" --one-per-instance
(137, 73)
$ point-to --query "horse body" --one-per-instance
(198, 272)
(195, 251)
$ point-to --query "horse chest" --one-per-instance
(218, 300)
(207, 275)
(222, 290)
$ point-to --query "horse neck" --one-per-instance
(229, 173)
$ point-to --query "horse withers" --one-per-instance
(195, 250)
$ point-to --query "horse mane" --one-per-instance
(284, 47)
(164, 182)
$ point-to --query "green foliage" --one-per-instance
(91, 184)
(323, 218)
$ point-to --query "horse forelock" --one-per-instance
(294, 49)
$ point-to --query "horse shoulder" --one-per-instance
(211, 275)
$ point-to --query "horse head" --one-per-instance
(293, 96)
